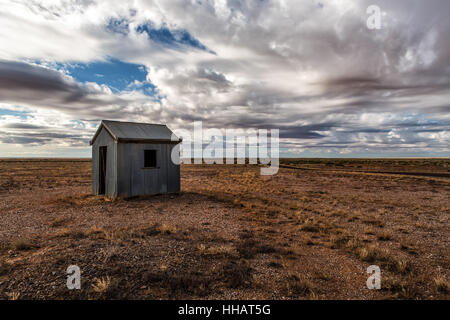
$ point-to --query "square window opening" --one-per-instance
(150, 159)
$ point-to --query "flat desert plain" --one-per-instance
(309, 232)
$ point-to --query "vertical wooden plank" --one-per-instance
(134, 159)
(162, 169)
(173, 172)
(94, 168)
(124, 170)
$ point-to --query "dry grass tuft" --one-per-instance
(338, 241)
(221, 250)
(249, 248)
(237, 274)
(309, 241)
(441, 284)
(409, 247)
(102, 285)
(78, 200)
(96, 232)
(13, 295)
(167, 229)
(299, 287)
(384, 235)
(355, 216)
(109, 235)
(188, 284)
(311, 225)
(372, 254)
(376, 221)
(401, 288)
(202, 249)
(323, 276)
(399, 265)
(353, 244)
(66, 232)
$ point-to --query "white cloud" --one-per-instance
(311, 68)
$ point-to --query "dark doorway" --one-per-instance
(102, 170)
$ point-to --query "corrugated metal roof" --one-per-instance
(137, 132)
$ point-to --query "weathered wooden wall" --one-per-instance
(134, 180)
(105, 139)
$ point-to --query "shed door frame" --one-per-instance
(102, 157)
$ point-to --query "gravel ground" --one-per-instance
(230, 234)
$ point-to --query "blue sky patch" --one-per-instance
(21, 114)
(117, 75)
(171, 38)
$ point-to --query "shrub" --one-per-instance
(237, 274)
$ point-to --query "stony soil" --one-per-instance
(309, 232)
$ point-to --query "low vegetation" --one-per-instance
(309, 232)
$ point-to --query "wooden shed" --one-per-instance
(132, 159)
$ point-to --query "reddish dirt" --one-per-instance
(230, 234)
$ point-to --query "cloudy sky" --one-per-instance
(311, 68)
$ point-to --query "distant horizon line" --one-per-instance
(348, 158)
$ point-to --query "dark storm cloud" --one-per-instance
(26, 83)
(23, 76)
(30, 140)
(23, 140)
(304, 132)
(22, 126)
(41, 136)
(361, 87)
